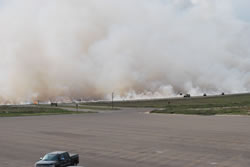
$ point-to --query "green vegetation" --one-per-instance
(193, 110)
(14, 111)
(89, 107)
(238, 104)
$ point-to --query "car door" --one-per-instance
(67, 158)
(63, 162)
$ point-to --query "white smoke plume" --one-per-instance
(52, 49)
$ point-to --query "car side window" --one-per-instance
(66, 155)
(62, 157)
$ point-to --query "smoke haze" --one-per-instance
(57, 49)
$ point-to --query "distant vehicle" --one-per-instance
(222, 93)
(54, 104)
(204, 94)
(187, 95)
(58, 159)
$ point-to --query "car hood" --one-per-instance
(45, 162)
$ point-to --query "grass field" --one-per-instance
(88, 107)
(238, 104)
(14, 111)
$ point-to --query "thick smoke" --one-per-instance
(57, 49)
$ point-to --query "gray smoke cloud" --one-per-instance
(57, 49)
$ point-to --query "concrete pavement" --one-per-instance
(128, 138)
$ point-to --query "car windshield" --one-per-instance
(50, 157)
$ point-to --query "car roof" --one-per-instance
(57, 152)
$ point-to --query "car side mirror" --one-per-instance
(41, 158)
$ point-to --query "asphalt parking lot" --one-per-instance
(128, 138)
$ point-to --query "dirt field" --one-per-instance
(128, 138)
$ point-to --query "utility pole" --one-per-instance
(112, 100)
(77, 107)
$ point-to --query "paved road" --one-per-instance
(129, 138)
